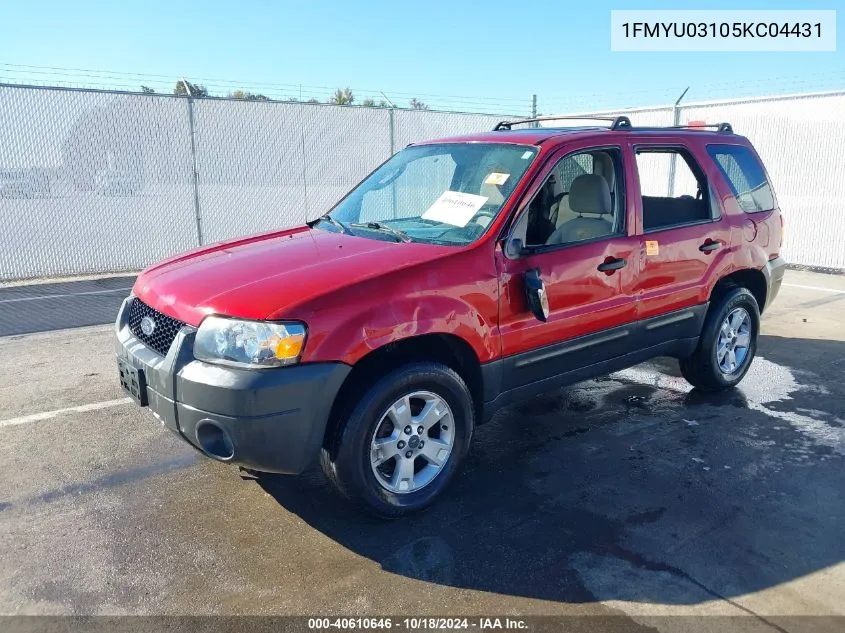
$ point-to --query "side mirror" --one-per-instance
(514, 248)
(535, 294)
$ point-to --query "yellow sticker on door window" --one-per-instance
(652, 247)
(496, 178)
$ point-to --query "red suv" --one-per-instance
(461, 275)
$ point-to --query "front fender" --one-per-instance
(374, 326)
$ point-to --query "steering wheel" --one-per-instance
(482, 213)
(473, 229)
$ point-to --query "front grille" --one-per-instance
(165, 330)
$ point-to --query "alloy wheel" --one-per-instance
(412, 442)
(734, 341)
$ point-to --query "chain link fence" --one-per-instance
(94, 181)
(98, 181)
(91, 182)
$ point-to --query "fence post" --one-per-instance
(676, 120)
(392, 134)
(392, 151)
(194, 174)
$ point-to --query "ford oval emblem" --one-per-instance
(148, 326)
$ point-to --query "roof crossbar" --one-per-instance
(616, 123)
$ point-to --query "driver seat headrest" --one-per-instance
(590, 193)
(603, 166)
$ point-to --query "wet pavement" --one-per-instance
(631, 495)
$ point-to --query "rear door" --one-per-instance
(685, 238)
(589, 308)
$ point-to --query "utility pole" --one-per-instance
(533, 106)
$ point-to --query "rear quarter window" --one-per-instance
(745, 176)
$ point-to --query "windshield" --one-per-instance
(439, 194)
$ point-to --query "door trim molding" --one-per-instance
(528, 358)
(532, 372)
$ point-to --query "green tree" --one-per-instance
(247, 96)
(342, 97)
(416, 104)
(368, 103)
(312, 100)
(147, 90)
(196, 90)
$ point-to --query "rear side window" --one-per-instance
(745, 176)
(674, 189)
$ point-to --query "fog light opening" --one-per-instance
(215, 441)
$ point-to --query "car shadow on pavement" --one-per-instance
(632, 487)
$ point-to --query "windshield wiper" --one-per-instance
(376, 226)
(337, 223)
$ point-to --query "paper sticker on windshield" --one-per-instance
(454, 208)
(527, 155)
(496, 178)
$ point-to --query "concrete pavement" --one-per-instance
(628, 496)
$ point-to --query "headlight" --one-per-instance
(248, 343)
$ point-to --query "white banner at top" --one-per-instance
(723, 30)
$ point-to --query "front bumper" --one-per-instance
(269, 420)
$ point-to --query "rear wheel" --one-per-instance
(403, 441)
(728, 342)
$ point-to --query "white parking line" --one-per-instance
(70, 294)
(819, 288)
(46, 415)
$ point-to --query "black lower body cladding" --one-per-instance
(773, 271)
(270, 420)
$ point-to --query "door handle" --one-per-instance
(611, 264)
(709, 246)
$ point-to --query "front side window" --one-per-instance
(745, 176)
(442, 194)
(579, 201)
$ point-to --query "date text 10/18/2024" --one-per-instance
(417, 624)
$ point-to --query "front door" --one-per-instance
(584, 250)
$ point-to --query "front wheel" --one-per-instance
(728, 342)
(402, 441)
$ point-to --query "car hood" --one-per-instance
(259, 276)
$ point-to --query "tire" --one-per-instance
(348, 455)
(706, 369)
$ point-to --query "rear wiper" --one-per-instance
(376, 226)
(337, 223)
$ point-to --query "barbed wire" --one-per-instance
(548, 103)
(774, 85)
(91, 78)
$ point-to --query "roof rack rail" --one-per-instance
(721, 128)
(616, 123)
